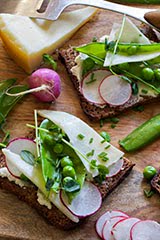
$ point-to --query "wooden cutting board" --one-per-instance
(19, 221)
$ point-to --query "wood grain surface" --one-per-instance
(19, 221)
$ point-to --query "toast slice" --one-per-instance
(92, 110)
(155, 183)
(54, 216)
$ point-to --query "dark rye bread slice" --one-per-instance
(93, 111)
(54, 216)
(155, 183)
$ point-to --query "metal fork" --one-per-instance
(51, 9)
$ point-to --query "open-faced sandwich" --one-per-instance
(64, 173)
(116, 72)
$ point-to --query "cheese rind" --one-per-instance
(26, 40)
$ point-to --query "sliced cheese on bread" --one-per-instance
(129, 34)
(26, 40)
(34, 174)
(74, 127)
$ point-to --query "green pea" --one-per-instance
(69, 171)
(67, 180)
(66, 161)
(132, 50)
(149, 172)
(58, 148)
(148, 74)
(49, 140)
(157, 74)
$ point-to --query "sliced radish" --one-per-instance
(16, 146)
(121, 230)
(90, 86)
(114, 90)
(107, 228)
(86, 203)
(115, 168)
(144, 230)
(107, 216)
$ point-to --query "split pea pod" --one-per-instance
(143, 135)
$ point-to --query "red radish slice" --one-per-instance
(115, 168)
(107, 216)
(86, 203)
(107, 228)
(121, 230)
(114, 90)
(90, 88)
(16, 146)
(145, 230)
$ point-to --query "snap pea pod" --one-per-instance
(143, 135)
(51, 160)
(97, 50)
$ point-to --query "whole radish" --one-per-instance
(44, 84)
(49, 84)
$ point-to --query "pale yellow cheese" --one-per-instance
(26, 40)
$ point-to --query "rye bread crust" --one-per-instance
(155, 183)
(54, 216)
(94, 112)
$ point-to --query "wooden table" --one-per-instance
(19, 221)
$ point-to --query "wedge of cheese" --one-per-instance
(26, 40)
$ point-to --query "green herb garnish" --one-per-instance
(107, 147)
(106, 136)
(70, 185)
(134, 88)
(81, 136)
(28, 157)
(114, 120)
(92, 79)
(103, 156)
(90, 154)
(50, 61)
(145, 91)
(149, 193)
(138, 108)
(91, 140)
(113, 125)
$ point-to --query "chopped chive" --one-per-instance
(145, 91)
(89, 154)
(107, 147)
(80, 136)
(138, 108)
(92, 79)
(91, 140)
(113, 125)
(101, 123)
(149, 193)
(103, 156)
(114, 120)
(2, 145)
(106, 136)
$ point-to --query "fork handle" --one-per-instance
(149, 16)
